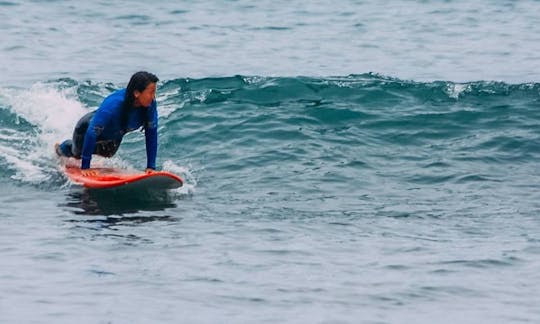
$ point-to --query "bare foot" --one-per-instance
(57, 149)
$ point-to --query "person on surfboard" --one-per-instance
(100, 132)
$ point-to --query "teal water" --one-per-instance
(409, 194)
(423, 40)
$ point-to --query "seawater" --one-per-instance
(373, 162)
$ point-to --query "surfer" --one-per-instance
(100, 132)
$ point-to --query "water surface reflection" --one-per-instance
(117, 202)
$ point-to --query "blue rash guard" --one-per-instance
(106, 126)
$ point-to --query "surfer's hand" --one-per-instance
(88, 172)
(148, 170)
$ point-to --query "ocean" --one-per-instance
(344, 162)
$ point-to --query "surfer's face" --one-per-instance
(145, 97)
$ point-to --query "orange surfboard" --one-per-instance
(121, 178)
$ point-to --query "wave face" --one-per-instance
(312, 137)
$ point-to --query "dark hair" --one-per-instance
(138, 82)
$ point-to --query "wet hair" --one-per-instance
(138, 82)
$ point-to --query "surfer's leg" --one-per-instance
(78, 140)
(78, 134)
(106, 148)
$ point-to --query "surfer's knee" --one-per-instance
(106, 148)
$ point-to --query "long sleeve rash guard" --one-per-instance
(106, 125)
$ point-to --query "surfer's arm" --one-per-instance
(151, 147)
(88, 147)
(94, 130)
(151, 137)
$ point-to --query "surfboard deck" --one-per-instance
(108, 178)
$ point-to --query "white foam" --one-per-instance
(454, 90)
(190, 182)
(53, 113)
(24, 168)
